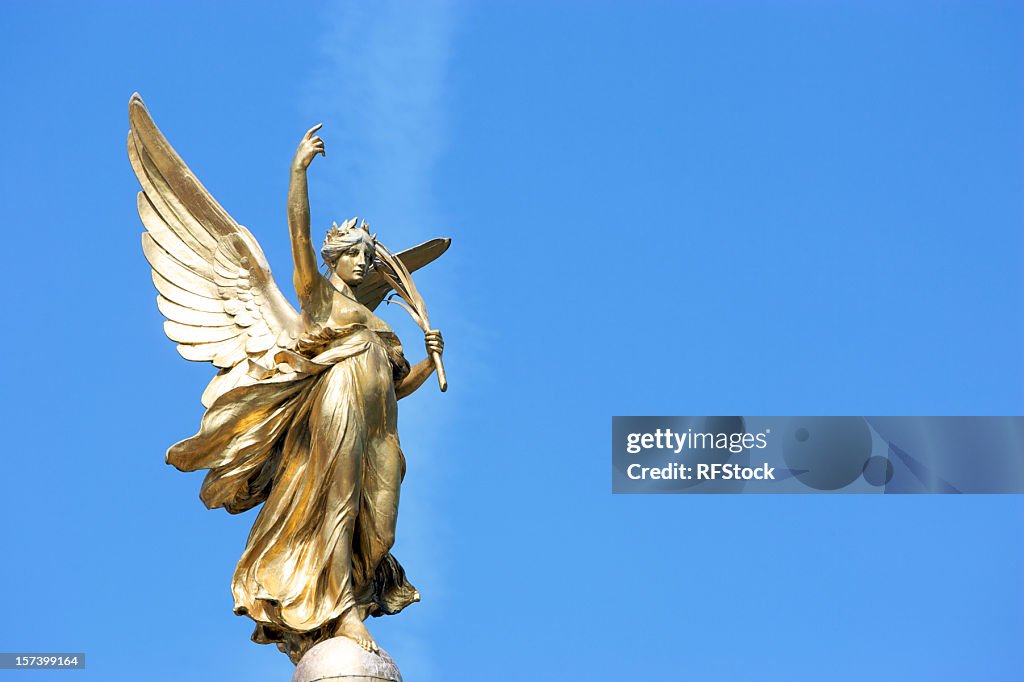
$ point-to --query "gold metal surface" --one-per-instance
(302, 414)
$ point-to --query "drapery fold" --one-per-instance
(317, 444)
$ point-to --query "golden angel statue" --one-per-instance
(302, 414)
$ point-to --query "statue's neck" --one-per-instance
(339, 284)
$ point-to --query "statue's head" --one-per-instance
(348, 250)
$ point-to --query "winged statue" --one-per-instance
(301, 415)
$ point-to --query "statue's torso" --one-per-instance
(340, 310)
(340, 319)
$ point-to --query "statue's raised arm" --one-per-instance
(309, 284)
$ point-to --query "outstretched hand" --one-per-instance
(309, 147)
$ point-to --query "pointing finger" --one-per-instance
(309, 133)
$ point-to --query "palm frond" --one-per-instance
(399, 278)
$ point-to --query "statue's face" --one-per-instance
(353, 263)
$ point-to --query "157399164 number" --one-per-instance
(14, 661)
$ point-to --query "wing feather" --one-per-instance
(169, 240)
(168, 205)
(184, 333)
(211, 352)
(190, 316)
(179, 178)
(173, 292)
(175, 272)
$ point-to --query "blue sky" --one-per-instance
(656, 208)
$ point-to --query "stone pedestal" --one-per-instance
(342, 660)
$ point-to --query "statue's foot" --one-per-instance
(350, 626)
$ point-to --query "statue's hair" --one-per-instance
(341, 237)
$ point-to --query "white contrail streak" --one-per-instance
(380, 91)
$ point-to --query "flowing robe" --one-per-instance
(317, 443)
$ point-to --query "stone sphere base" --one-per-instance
(342, 660)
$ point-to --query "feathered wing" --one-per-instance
(216, 290)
